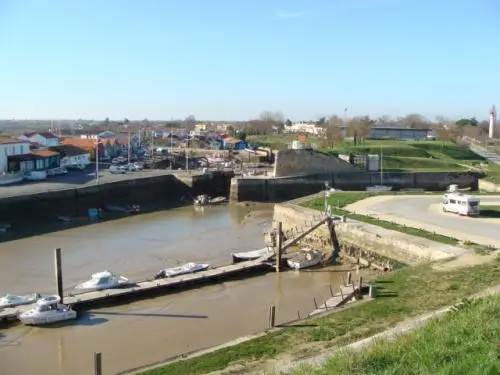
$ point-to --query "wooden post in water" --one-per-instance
(360, 286)
(372, 292)
(315, 303)
(272, 316)
(349, 278)
(58, 269)
(97, 364)
(331, 291)
(279, 245)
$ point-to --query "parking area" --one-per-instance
(75, 179)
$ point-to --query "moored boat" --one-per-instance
(103, 280)
(11, 300)
(182, 270)
(305, 258)
(252, 255)
(48, 310)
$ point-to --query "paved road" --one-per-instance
(76, 179)
(490, 156)
(425, 212)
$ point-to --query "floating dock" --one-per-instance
(150, 288)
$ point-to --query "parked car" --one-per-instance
(57, 171)
(138, 166)
(35, 175)
(115, 169)
(131, 167)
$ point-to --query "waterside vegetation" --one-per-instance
(463, 342)
(402, 294)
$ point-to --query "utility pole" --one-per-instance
(128, 147)
(97, 161)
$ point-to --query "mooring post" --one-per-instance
(331, 291)
(272, 316)
(349, 278)
(279, 246)
(58, 269)
(298, 314)
(315, 303)
(372, 291)
(97, 364)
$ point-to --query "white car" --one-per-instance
(115, 169)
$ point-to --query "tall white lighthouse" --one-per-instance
(493, 122)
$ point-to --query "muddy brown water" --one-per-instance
(151, 330)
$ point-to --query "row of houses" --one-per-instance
(42, 150)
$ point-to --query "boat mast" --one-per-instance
(381, 167)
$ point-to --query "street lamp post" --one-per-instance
(327, 194)
(97, 161)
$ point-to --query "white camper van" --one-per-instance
(461, 204)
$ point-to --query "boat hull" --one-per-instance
(34, 319)
(182, 270)
(251, 255)
(122, 282)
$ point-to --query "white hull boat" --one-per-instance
(103, 280)
(48, 310)
(306, 259)
(252, 255)
(379, 188)
(182, 270)
(10, 300)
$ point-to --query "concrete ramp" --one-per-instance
(302, 162)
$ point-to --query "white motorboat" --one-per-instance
(379, 188)
(305, 258)
(48, 310)
(252, 255)
(10, 300)
(182, 270)
(103, 280)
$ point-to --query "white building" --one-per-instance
(304, 127)
(72, 156)
(10, 147)
(44, 139)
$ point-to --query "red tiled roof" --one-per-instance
(45, 153)
(86, 144)
(231, 140)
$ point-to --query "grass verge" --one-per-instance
(463, 342)
(342, 199)
(400, 295)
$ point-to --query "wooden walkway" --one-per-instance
(150, 287)
(347, 294)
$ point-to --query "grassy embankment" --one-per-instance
(421, 156)
(405, 293)
(339, 200)
(465, 341)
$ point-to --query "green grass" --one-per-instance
(466, 341)
(493, 173)
(402, 294)
(341, 199)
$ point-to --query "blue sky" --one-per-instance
(232, 59)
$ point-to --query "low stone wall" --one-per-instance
(358, 238)
(262, 189)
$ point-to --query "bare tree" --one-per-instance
(190, 122)
(359, 127)
(266, 123)
(415, 121)
(333, 131)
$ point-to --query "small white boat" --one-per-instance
(103, 280)
(182, 270)
(305, 259)
(252, 255)
(10, 300)
(379, 188)
(48, 310)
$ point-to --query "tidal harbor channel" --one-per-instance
(151, 330)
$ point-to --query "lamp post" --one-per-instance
(97, 161)
(327, 194)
